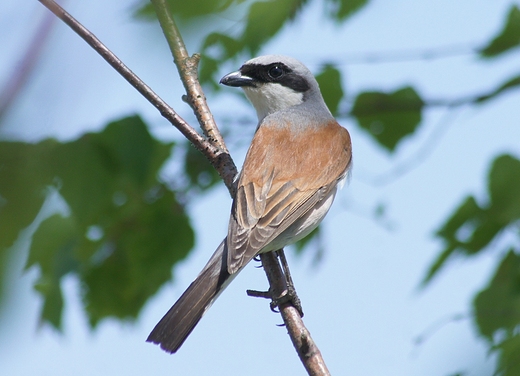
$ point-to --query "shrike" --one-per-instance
(297, 159)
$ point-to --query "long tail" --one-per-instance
(179, 321)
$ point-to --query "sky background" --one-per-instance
(362, 302)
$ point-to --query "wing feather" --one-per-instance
(284, 176)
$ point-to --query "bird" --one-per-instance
(298, 158)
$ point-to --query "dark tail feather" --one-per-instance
(177, 324)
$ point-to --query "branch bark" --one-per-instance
(213, 147)
(188, 70)
(305, 346)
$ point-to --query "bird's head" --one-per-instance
(274, 82)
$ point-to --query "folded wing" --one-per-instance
(269, 199)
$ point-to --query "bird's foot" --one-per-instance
(287, 296)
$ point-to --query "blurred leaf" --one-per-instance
(329, 80)
(437, 265)
(389, 117)
(471, 227)
(265, 19)
(187, 9)
(23, 178)
(136, 260)
(509, 84)
(208, 67)
(22, 192)
(498, 306)
(504, 189)
(230, 46)
(53, 250)
(198, 169)
(508, 363)
(345, 8)
(508, 38)
(125, 232)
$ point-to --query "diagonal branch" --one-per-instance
(305, 346)
(218, 157)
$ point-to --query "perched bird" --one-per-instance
(297, 159)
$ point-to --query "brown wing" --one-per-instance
(284, 175)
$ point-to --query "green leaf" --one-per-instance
(198, 169)
(504, 189)
(467, 210)
(23, 181)
(208, 67)
(471, 228)
(509, 84)
(508, 38)
(187, 9)
(126, 229)
(498, 306)
(223, 48)
(136, 260)
(329, 80)
(265, 19)
(121, 160)
(438, 264)
(389, 118)
(509, 350)
(341, 9)
(230, 46)
(53, 249)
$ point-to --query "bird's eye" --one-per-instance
(276, 72)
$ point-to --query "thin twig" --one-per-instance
(214, 154)
(188, 69)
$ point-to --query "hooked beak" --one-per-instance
(236, 79)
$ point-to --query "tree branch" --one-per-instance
(218, 158)
(307, 350)
(213, 148)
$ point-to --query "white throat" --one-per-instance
(272, 97)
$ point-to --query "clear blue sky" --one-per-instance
(362, 303)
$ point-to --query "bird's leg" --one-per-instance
(288, 294)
